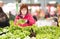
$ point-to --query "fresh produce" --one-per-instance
(21, 21)
(16, 32)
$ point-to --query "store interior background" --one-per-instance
(42, 2)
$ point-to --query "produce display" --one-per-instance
(16, 32)
(21, 21)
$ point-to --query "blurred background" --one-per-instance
(31, 3)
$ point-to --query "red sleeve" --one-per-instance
(16, 18)
(31, 20)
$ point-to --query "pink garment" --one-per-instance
(28, 17)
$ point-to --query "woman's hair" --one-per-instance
(23, 6)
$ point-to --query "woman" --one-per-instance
(4, 21)
(24, 14)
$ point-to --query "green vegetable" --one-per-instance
(21, 21)
(15, 32)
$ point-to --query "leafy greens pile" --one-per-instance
(16, 32)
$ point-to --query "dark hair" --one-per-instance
(23, 6)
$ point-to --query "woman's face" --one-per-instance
(24, 11)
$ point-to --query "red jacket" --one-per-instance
(27, 17)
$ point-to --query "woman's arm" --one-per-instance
(31, 20)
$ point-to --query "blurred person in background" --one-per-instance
(4, 21)
(47, 15)
(58, 9)
(52, 14)
(25, 15)
(50, 11)
(40, 14)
